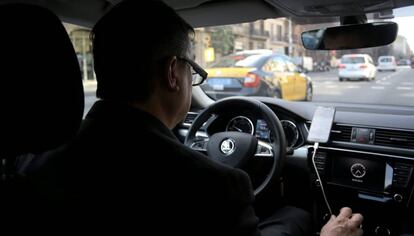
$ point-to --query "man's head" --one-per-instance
(140, 50)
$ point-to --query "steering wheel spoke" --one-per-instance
(200, 144)
(264, 150)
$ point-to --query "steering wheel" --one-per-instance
(238, 149)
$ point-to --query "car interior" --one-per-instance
(319, 156)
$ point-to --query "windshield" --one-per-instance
(385, 59)
(352, 60)
(233, 55)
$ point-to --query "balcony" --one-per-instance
(240, 31)
(285, 39)
(279, 39)
(259, 34)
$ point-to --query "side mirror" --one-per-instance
(351, 36)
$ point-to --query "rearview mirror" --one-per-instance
(351, 36)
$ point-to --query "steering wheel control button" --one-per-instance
(398, 198)
(227, 146)
(199, 145)
(264, 150)
(358, 170)
(382, 231)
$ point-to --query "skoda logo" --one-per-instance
(227, 146)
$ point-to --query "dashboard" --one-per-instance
(255, 125)
(261, 131)
(368, 162)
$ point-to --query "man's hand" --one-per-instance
(345, 223)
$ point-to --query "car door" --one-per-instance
(282, 77)
(299, 81)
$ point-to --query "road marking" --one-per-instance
(404, 88)
(328, 82)
(407, 83)
(383, 83)
(353, 87)
(377, 87)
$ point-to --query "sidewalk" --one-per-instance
(89, 86)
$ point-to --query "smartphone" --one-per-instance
(321, 124)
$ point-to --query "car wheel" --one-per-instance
(309, 93)
(341, 79)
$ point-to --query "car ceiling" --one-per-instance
(199, 12)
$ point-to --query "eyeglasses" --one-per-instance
(198, 73)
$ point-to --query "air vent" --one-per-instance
(341, 133)
(394, 138)
(338, 133)
(320, 162)
(189, 119)
(402, 174)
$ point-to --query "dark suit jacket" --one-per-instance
(126, 171)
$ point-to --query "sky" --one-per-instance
(404, 17)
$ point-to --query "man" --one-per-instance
(127, 171)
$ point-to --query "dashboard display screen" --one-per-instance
(361, 173)
(262, 131)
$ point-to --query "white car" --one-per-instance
(387, 63)
(357, 67)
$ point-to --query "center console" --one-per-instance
(377, 185)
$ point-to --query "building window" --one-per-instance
(272, 31)
(279, 32)
(260, 45)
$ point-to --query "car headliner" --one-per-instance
(198, 12)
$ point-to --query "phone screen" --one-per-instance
(321, 124)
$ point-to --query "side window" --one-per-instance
(268, 66)
(80, 37)
(278, 64)
(291, 67)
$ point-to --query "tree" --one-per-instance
(222, 40)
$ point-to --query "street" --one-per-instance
(396, 88)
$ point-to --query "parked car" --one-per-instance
(387, 63)
(356, 67)
(270, 75)
(404, 62)
(321, 66)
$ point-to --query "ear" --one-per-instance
(172, 74)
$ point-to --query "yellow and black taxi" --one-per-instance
(266, 74)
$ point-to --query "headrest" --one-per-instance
(41, 92)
